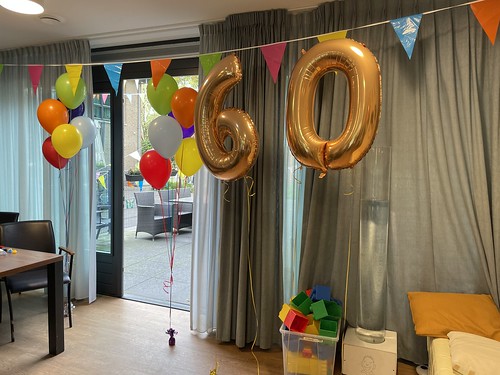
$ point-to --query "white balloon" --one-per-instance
(86, 128)
(165, 135)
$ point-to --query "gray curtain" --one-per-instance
(36, 189)
(441, 117)
(250, 221)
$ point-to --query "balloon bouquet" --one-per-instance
(170, 135)
(70, 131)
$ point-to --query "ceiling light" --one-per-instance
(23, 6)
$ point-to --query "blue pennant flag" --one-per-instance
(407, 29)
(114, 72)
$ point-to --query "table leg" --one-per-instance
(56, 307)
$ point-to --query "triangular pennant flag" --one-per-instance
(35, 74)
(406, 29)
(104, 98)
(273, 54)
(208, 61)
(1, 68)
(74, 73)
(129, 97)
(114, 72)
(158, 69)
(336, 35)
(487, 13)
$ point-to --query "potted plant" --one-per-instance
(134, 174)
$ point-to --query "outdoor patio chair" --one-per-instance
(150, 216)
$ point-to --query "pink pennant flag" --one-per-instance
(104, 98)
(35, 74)
(273, 54)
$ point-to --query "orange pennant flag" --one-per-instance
(74, 73)
(158, 69)
(336, 35)
(487, 13)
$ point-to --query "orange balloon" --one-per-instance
(182, 104)
(51, 113)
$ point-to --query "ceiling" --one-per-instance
(122, 22)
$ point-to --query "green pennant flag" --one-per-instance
(209, 60)
(1, 68)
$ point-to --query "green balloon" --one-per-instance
(65, 94)
(161, 97)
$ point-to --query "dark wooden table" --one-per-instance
(25, 260)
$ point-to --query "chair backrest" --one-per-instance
(145, 198)
(8, 217)
(171, 194)
(31, 235)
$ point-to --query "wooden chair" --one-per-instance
(35, 235)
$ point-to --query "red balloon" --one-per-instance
(51, 155)
(182, 104)
(155, 169)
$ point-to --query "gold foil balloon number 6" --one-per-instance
(363, 76)
(213, 125)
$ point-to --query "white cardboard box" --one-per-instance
(362, 358)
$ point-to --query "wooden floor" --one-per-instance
(116, 336)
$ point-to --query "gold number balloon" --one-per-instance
(363, 76)
(213, 125)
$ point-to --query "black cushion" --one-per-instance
(31, 280)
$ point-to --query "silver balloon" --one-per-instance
(87, 129)
(165, 135)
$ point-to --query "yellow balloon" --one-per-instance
(188, 157)
(67, 140)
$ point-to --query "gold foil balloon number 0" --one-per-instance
(363, 76)
(213, 125)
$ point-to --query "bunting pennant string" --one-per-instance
(336, 35)
(209, 60)
(488, 15)
(74, 74)
(158, 69)
(35, 72)
(487, 12)
(406, 29)
(273, 54)
(114, 72)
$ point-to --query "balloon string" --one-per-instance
(170, 245)
(299, 168)
(226, 189)
(249, 195)
(350, 194)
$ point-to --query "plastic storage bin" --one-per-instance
(307, 354)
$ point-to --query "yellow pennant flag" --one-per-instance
(102, 181)
(336, 35)
(74, 73)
